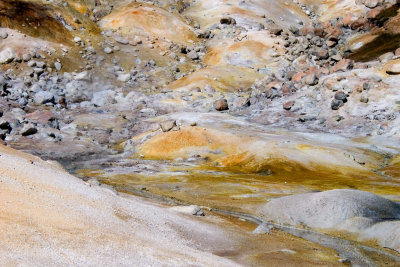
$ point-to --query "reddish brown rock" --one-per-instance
(288, 105)
(40, 116)
(297, 78)
(348, 19)
(358, 23)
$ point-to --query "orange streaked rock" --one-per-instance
(148, 20)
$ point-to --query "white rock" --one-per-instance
(122, 40)
(108, 50)
(7, 56)
(58, 66)
(82, 76)
(3, 35)
(124, 77)
(103, 98)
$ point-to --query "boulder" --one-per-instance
(43, 97)
(7, 56)
(124, 77)
(167, 126)
(393, 69)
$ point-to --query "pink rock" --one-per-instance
(40, 116)
(288, 105)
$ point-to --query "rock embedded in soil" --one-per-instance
(288, 105)
(340, 95)
(167, 126)
(108, 50)
(336, 104)
(221, 105)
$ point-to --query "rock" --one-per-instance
(397, 52)
(336, 104)
(227, 20)
(393, 69)
(310, 79)
(103, 98)
(340, 95)
(40, 116)
(58, 66)
(320, 53)
(221, 105)
(75, 92)
(7, 56)
(371, 3)
(82, 76)
(77, 39)
(122, 40)
(288, 105)
(273, 28)
(29, 129)
(336, 57)
(31, 63)
(43, 97)
(190, 210)
(136, 40)
(40, 64)
(124, 77)
(329, 209)
(167, 126)
(108, 50)
(26, 57)
(386, 57)
(193, 55)
(3, 35)
(364, 99)
(342, 65)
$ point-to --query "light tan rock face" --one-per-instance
(49, 217)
